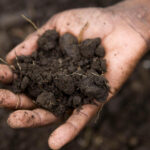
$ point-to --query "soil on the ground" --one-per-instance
(62, 74)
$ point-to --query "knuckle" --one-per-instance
(3, 96)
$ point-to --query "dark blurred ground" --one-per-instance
(125, 121)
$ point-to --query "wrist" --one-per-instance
(136, 13)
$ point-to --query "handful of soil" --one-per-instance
(62, 74)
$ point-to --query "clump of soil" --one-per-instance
(62, 74)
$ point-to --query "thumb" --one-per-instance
(29, 45)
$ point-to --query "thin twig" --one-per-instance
(17, 62)
(5, 62)
(78, 74)
(99, 112)
(80, 38)
(2, 60)
(30, 21)
(95, 74)
(18, 102)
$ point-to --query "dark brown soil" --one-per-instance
(62, 74)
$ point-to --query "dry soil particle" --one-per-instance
(62, 74)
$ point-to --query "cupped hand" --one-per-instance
(124, 47)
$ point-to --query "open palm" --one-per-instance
(123, 45)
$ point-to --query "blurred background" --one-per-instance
(124, 122)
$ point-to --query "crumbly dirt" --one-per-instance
(62, 74)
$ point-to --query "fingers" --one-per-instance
(6, 75)
(28, 46)
(10, 100)
(66, 132)
(27, 118)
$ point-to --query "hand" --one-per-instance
(124, 47)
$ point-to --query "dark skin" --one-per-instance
(124, 35)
